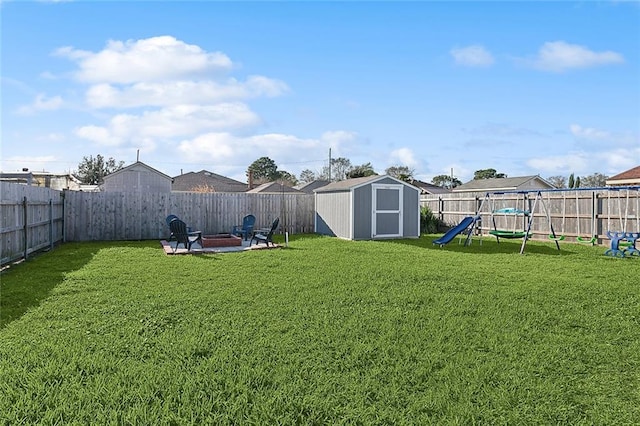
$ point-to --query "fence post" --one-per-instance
(25, 227)
(50, 223)
(596, 212)
(64, 219)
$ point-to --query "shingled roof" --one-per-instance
(197, 181)
(274, 188)
(428, 188)
(504, 184)
(628, 177)
(309, 187)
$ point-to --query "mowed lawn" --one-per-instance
(325, 331)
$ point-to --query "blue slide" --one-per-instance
(451, 234)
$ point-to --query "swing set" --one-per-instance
(524, 208)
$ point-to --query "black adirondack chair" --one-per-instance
(266, 236)
(169, 219)
(183, 236)
(246, 228)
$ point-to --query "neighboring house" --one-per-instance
(137, 177)
(274, 188)
(205, 181)
(521, 183)
(372, 207)
(57, 181)
(428, 188)
(309, 187)
(25, 178)
(629, 177)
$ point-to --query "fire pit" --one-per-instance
(221, 240)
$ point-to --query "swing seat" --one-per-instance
(591, 240)
(509, 234)
(511, 210)
(556, 238)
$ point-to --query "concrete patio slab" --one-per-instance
(168, 247)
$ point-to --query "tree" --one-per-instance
(487, 174)
(403, 173)
(307, 176)
(91, 171)
(286, 178)
(558, 181)
(446, 181)
(362, 170)
(572, 181)
(577, 184)
(264, 169)
(595, 180)
(339, 168)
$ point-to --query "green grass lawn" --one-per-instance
(325, 331)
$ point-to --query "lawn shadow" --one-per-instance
(26, 284)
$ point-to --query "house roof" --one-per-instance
(273, 188)
(134, 166)
(192, 181)
(627, 177)
(349, 184)
(18, 177)
(309, 187)
(428, 188)
(502, 184)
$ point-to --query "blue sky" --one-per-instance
(548, 88)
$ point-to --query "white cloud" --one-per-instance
(99, 135)
(559, 56)
(152, 59)
(339, 141)
(225, 148)
(472, 56)
(561, 165)
(598, 135)
(403, 157)
(589, 133)
(619, 160)
(180, 92)
(586, 163)
(42, 103)
(178, 121)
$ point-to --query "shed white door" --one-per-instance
(386, 219)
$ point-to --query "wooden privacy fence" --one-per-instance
(31, 219)
(572, 213)
(103, 216)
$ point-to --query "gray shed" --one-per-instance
(372, 207)
(138, 177)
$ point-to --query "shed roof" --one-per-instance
(349, 184)
(501, 184)
(204, 178)
(137, 165)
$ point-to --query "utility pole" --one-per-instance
(329, 164)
